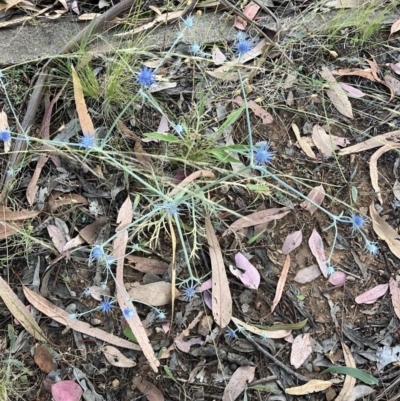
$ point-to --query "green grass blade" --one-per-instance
(354, 372)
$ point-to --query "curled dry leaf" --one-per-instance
(184, 345)
(372, 295)
(62, 317)
(274, 334)
(44, 359)
(249, 276)
(384, 231)
(256, 109)
(307, 274)
(155, 294)
(303, 143)
(394, 285)
(256, 218)
(350, 381)
(317, 195)
(221, 294)
(313, 386)
(373, 168)
(317, 248)
(238, 382)
(149, 390)
(18, 310)
(385, 139)
(337, 94)
(301, 350)
(116, 358)
(292, 241)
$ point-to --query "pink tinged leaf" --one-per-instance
(323, 141)
(184, 345)
(395, 27)
(57, 237)
(317, 195)
(395, 293)
(281, 283)
(166, 327)
(351, 91)
(395, 68)
(256, 109)
(301, 350)
(75, 7)
(163, 127)
(250, 11)
(317, 248)
(393, 83)
(289, 338)
(372, 295)
(361, 391)
(207, 298)
(396, 189)
(307, 274)
(238, 382)
(337, 279)
(251, 277)
(292, 241)
(66, 390)
(217, 56)
(207, 285)
(98, 293)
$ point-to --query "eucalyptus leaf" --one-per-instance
(354, 372)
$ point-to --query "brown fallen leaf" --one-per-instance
(32, 188)
(305, 146)
(394, 285)
(352, 91)
(125, 217)
(221, 293)
(8, 229)
(385, 231)
(83, 114)
(395, 27)
(91, 232)
(385, 139)
(372, 295)
(337, 94)
(396, 189)
(185, 345)
(238, 382)
(190, 178)
(274, 334)
(7, 214)
(313, 386)
(256, 109)
(349, 382)
(317, 249)
(317, 195)
(155, 294)
(393, 83)
(281, 284)
(323, 141)
(18, 310)
(116, 358)
(62, 317)
(148, 265)
(61, 199)
(307, 274)
(149, 390)
(250, 11)
(57, 237)
(44, 359)
(257, 218)
(4, 126)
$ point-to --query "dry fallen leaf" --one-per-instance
(250, 11)
(274, 334)
(190, 178)
(256, 109)
(323, 141)
(116, 358)
(238, 382)
(32, 188)
(184, 345)
(301, 350)
(317, 195)
(337, 94)
(281, 284)
(248, 274)
(350, 381)
(256, 218)
(395, 27)
(317, 248)
(149, 390)
(313, 386)
(221, 294)
(393, 83)
(44, 359)
(66, 390)
(307, 274)
(292, 241)
(396, 189)
(155, 294)
(303, 143)
(372, 295)
(385, 231)
(352, 91)
(148, 265)
(18, 310)
(394, 285)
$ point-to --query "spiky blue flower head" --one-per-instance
(372, 248)
(231, 334)
(73, 316)
(97, 252)
(188, 22)
(105, 305)
(1, 74)
(170, 207)
(189, 293)
(357, 221)
(262, 153)
(195, 48)
(161, 315)
(87, 292)
(179, 129)
(243, 46)
(240, 35)
(128, 313)
(5, 135)
(87, 141)
(330, 270)
(145, 76)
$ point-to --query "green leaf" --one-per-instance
(354, 194)
(256, 187)
(259, 387)
(354, 372)
(162, 137)
(301, 297)
(231, 119)
(222, 156)
(11, 335)
(169, 373)
(128, 333)
(290, 326)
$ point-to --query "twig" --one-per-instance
(37, 94)
(277, 362)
